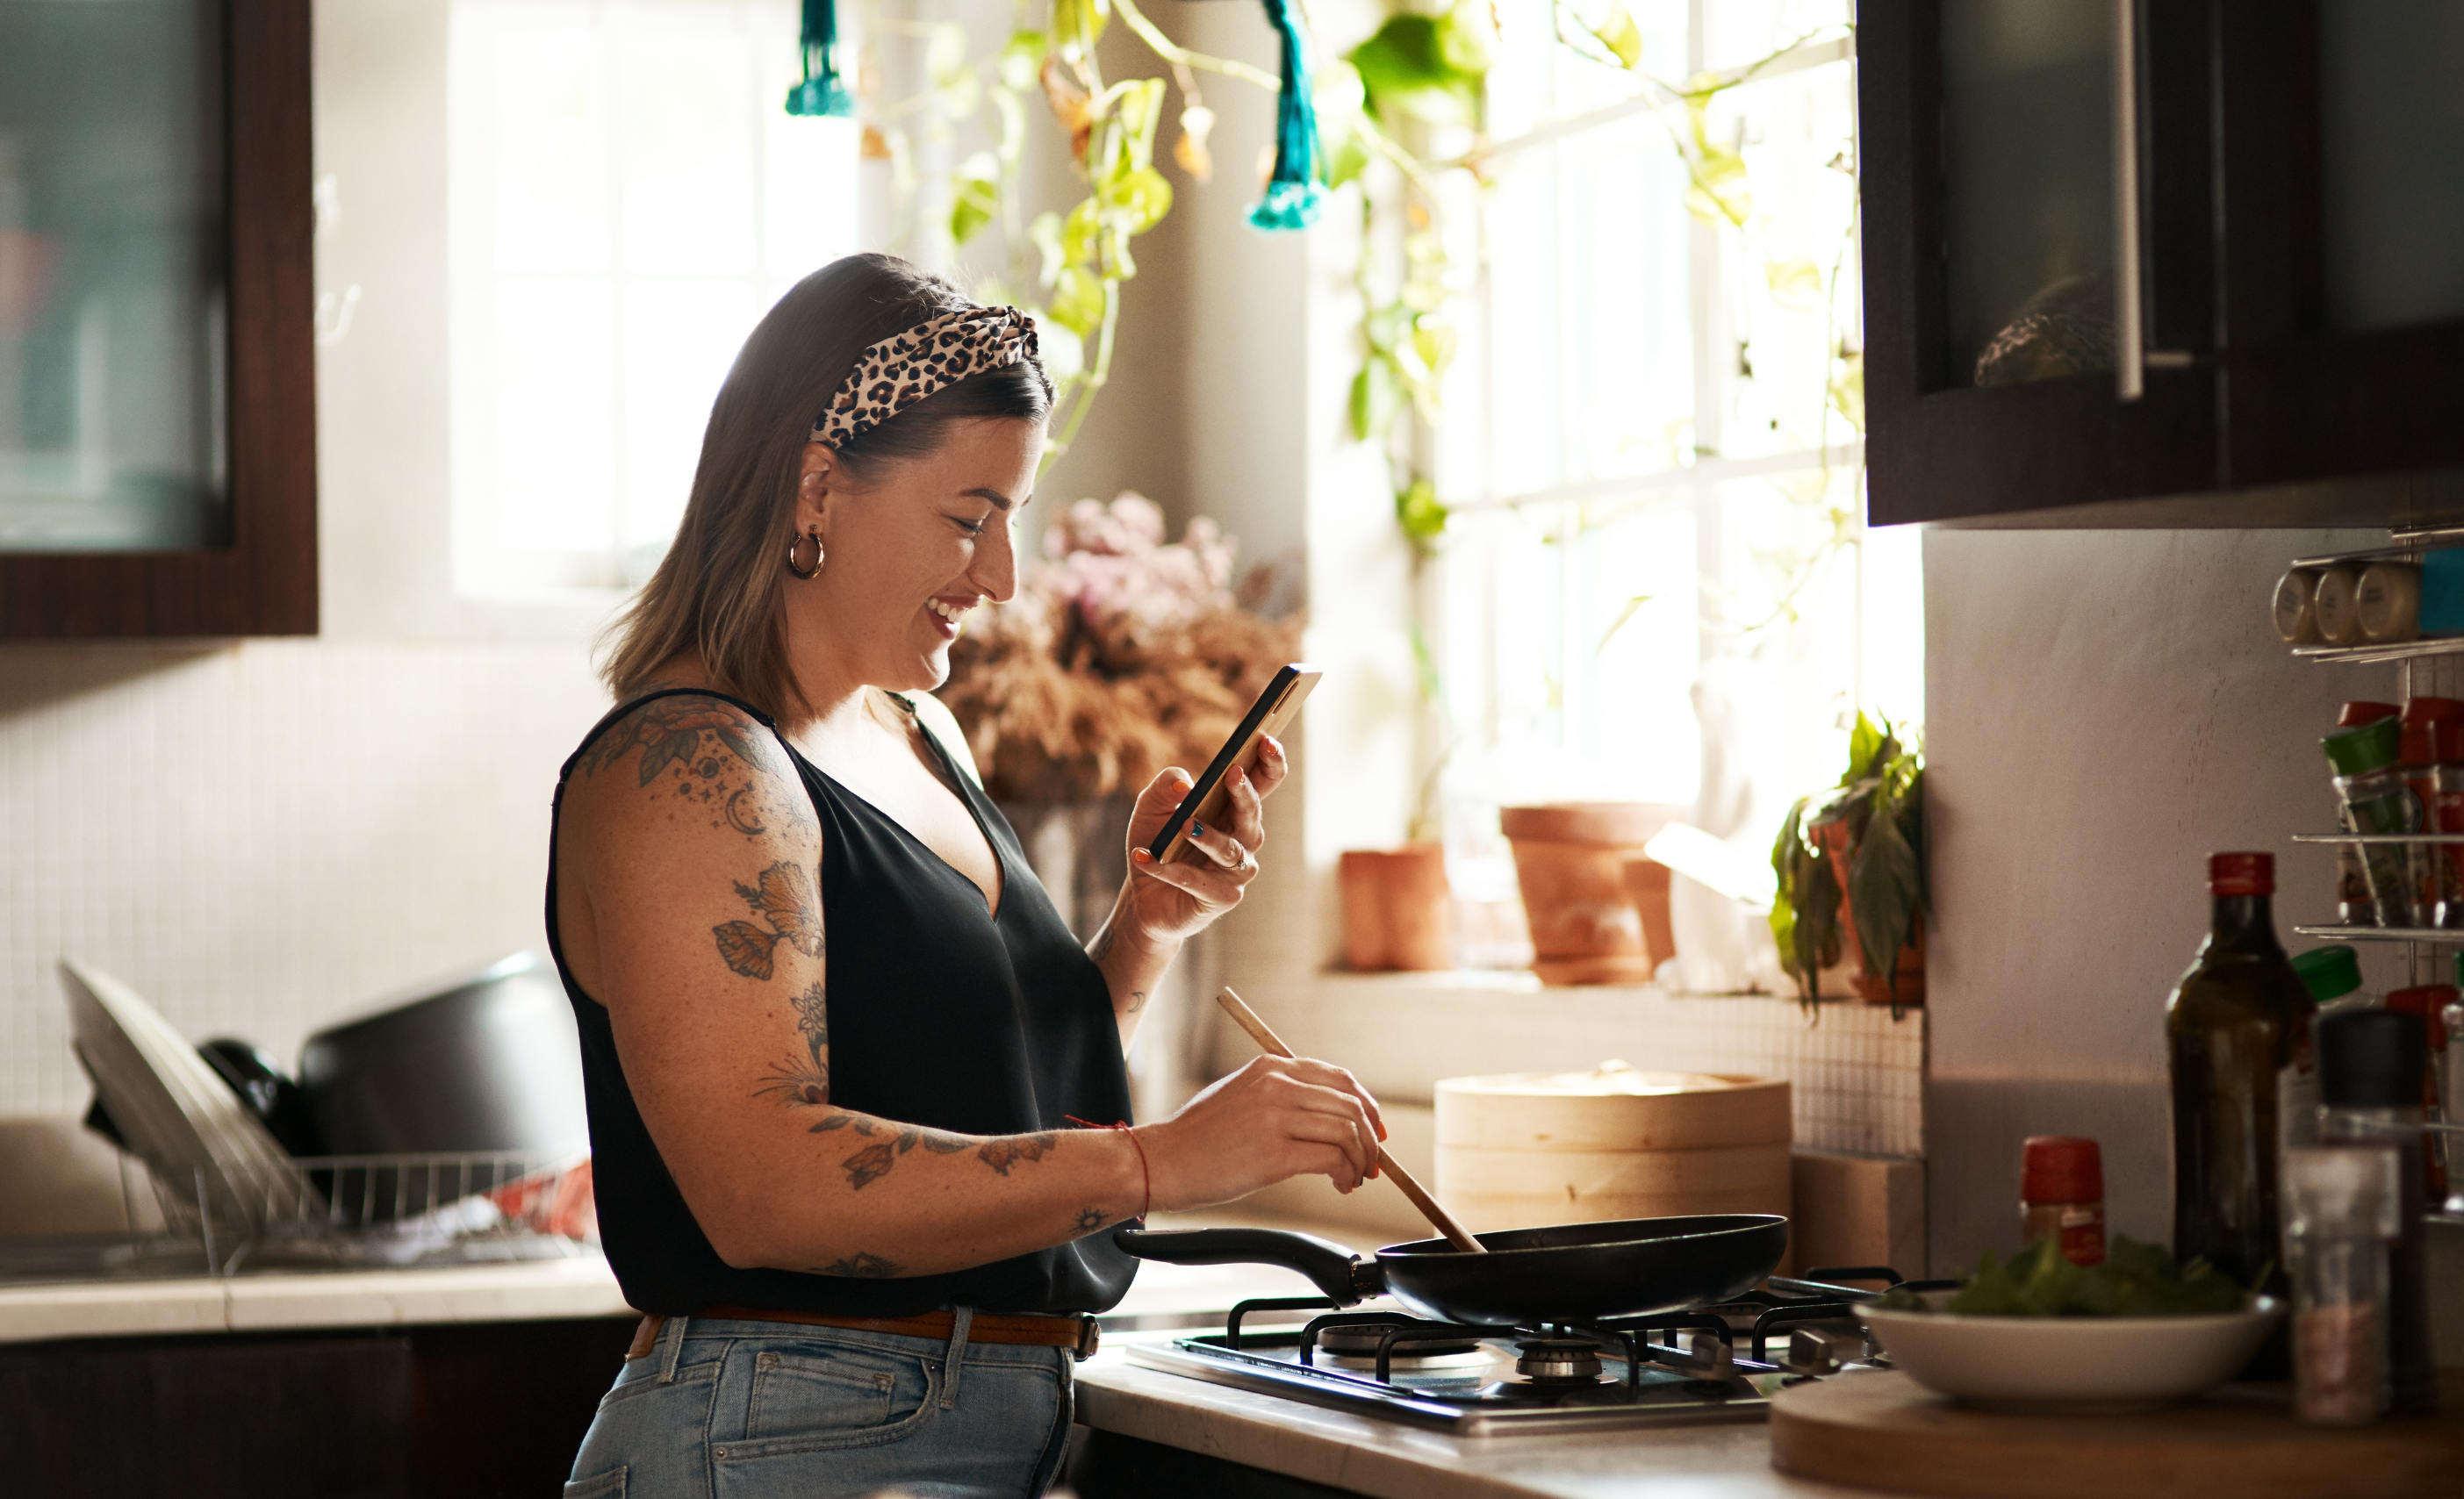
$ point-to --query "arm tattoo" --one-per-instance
(1138, 1002)
(1091, 1218)
(699, 736)
(1102, 947)
(785, 897)
(1009, 1150)
(861, 1265)
(800, 1083)
(873, 1161)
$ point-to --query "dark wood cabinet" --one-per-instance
(2217, 195)
(492, 1410)
(253, 571)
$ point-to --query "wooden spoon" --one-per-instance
(1439, 1218)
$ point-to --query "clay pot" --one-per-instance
(1397, 911)
(1833, 840)
(1646, 885)
(1570, 859)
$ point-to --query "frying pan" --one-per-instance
(1573, 1273)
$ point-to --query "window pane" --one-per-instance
(687, 157)
(629, 197)
(679, 338)
(111, 277)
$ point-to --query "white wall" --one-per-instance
(2104, 710)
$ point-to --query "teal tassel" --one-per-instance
(1293, 195)
(820, 92)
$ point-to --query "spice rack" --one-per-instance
(2433, 667)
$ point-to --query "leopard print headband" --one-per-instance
(933, 355)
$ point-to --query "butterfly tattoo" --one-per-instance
(785, 895)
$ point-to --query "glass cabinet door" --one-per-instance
(1994, 182)
(2343, 164)
(113, 284)
(2028, 186)
(2391, 162)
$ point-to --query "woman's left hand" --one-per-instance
(1167, 903)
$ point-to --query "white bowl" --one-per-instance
(2078, 1364)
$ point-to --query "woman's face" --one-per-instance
(906, 557)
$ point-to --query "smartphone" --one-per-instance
(1275, 708)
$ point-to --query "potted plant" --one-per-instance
(1852, 882)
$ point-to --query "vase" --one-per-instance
(1832, 838)
(1079, 854)
(1570, 860)
(1397, 911)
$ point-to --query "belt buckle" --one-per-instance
(1091, 1336)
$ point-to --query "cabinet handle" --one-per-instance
(2129, 334)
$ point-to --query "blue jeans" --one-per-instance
(763, 1410)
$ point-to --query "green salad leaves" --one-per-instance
(2135, 1280)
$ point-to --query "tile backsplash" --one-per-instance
(267, 836)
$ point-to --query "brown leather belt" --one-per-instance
(1078, 1332)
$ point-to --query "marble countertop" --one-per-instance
(1163, 1296)
(531, 1291)
(1390, 1460)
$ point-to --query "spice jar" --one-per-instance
(2333, 976)
(2388, 602)
(2425, 725)
(2296, 613)
(2376, 799)
(2341, 1216)
(2336, 604)
(2370, 1066)
(2061, 1195)
(2429, 1002)
(2450, 1094)
(2354, 906)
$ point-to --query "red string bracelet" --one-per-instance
(1146, 1175)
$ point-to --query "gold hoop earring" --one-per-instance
(814, 537)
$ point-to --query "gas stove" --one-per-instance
(1720, 1363)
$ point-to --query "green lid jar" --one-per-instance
(2358, 751)
(2329, 972)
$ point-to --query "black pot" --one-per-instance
(489, 1064)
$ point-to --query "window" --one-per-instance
(1656, 586)
(628, 198)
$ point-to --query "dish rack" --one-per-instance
(359, 1212)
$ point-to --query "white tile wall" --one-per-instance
(262, 837)
(1856, 1073)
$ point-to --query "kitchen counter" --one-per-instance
(530, 1292)
(536, 1291)
(1390, 1460)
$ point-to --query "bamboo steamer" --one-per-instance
(1527, 1150)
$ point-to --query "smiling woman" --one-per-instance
(800, 943)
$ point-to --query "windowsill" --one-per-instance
(1858, 1074)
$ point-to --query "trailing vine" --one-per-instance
(1418, 75)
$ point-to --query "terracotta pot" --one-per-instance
(1646, 885)
(1570, 860)
(1833, 840)
(1397, 911)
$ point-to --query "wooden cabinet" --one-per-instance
(464, 1411)
(236, 387)
(2177, 271)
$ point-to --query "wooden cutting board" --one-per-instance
(1885, 1431)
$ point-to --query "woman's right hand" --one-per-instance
(1276, 1118)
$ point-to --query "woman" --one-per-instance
(839, 1049)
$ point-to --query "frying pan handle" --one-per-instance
(1342, 1275)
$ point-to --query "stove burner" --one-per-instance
(1360, 1341)
(1559, 1360)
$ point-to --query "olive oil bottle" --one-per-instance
(2245, 1085)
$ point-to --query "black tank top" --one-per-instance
(940, 1014)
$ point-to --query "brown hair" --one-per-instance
(717, 592)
